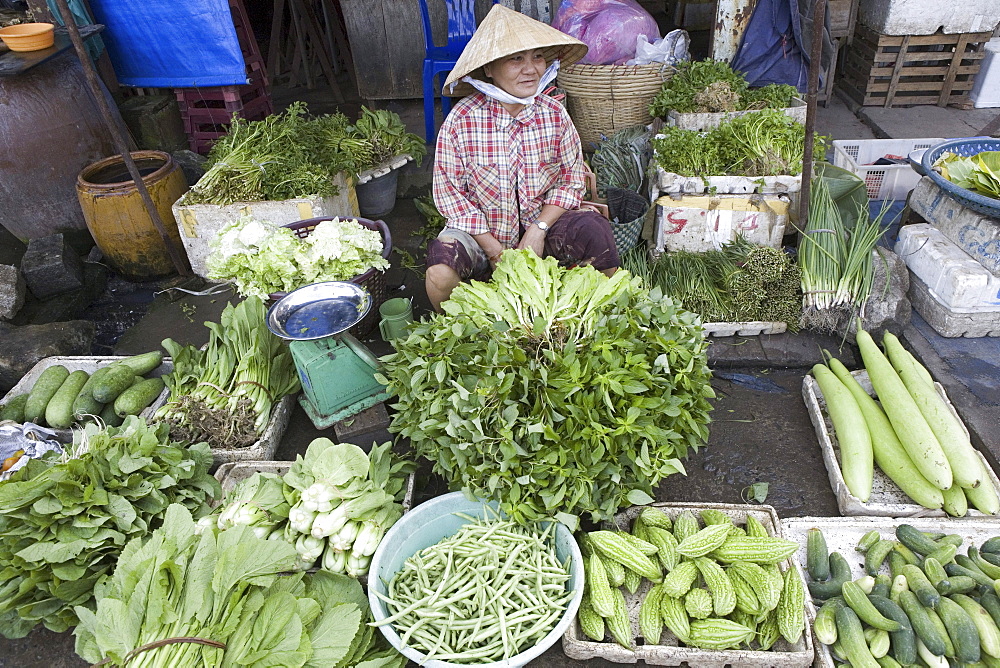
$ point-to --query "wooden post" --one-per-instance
(815, 56)
(178, 258)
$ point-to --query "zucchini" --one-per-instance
(817, 556)
(921, 623)
(965, 467)
(904, 641)
(85, 404)
(133, 400)
(890, 455)
(118, 378)
(856, 460)
(955, 503)
(989, 634)
(14, 408)
(962, 630)
(908, 422)
(914, 539)
(59, 410)
(144, 363)
(918, 583)
(47, 384)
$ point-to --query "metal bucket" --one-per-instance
(117, 217)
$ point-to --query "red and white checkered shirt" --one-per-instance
(484, 154)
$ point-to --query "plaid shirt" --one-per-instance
(483, 154)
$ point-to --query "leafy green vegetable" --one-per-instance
(556, 392)
(260, 257)
(619, 161)
(63, 521)
(713, 86)
(232, 592)
(980, 172)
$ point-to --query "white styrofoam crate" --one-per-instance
(668, 183)
(948, 322)
(926, 17)
(843, 533)
(708, 120)
(754, 328)
(231, 474)
(985, 91)
(87, 363)
(950, 273)
(977, 235)
(576, 645)
(887, 499)
(702, 223)
(881, 181)
(198, 224)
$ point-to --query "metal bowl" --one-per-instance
(318, 310)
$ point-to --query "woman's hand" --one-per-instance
(534, 240)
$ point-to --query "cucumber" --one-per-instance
(918, 583)
(934, 571)
(923, 627)
(14, 408)
(882, 584)
(977, 575)
(851, 636)
(989, 634)
(991, 545)
(118, 378)
(868, 613)
(59, 411)
(943, 555)
(137, 397)
(817, 556)
(991, 602)
(840, 572)
(989, 569)
(915, 540)
(144, 363)
(48, 383)
(85, 404)
(935, 619)
(904, 641)
(961, 629)
(955, 584)
(109, 417)
(876, 554)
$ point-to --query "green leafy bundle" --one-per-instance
(556, 392)
(713, 86)
(741, 282)
(766, 143)
(64, 521)
(386, 137)
(225, 599)
(620, 160)
(980, 172)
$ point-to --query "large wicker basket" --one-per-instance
(604, 98)
(372, 280)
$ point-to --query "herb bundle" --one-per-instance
(713, 86)
(63, 521)
(557, 392)
(620, 160)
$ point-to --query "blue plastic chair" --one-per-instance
(442, 59)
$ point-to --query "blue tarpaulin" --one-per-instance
(171, 43)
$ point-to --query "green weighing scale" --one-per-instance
(337, 371)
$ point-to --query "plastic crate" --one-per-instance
(881, 181)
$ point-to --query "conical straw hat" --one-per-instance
(502, 33)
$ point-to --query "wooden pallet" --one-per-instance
(898, 70)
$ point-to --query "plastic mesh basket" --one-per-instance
(982, 204)
(881, 181)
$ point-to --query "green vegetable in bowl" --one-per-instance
(980, 172)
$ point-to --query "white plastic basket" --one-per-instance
(881, 181)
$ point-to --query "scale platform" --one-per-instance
(336, 370)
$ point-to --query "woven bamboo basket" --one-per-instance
(604, 98)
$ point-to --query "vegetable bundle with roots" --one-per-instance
(557, 392)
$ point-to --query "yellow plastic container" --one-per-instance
(28, 36)
(118, 219)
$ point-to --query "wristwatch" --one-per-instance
(541, 224)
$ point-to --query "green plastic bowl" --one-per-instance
(426, 525)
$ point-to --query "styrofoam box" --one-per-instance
(881, 181)
(754, 328)
(90, 364)
(948, 322)
(986, 90)
(576, 645)
(925, 17)
(703, 223)
(954, 278)
(198, 224)
(707, 121)
(231, 474)
(843, 533)
(977, 235)
(668, 183)
(886, 498)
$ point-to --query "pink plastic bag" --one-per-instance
(608, 27)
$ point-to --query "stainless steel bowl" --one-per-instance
(318, 310)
